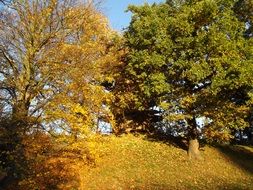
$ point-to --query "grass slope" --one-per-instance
(132, 162)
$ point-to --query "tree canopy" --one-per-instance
(53, 56)
(192, 59)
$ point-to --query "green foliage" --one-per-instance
(148, 42)
(193, 55)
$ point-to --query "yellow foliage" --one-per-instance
(56, 57)
(50, 164)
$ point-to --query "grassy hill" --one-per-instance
(132, 162)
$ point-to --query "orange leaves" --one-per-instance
(51, 165)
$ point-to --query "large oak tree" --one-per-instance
(189, 60)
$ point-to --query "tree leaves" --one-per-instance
(192, 54)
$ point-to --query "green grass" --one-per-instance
(132, 162)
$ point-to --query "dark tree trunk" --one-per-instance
(20, 114)
(16, 129)
(193, 148)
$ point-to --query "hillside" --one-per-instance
(132, 162)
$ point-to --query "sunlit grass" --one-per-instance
(134, 163)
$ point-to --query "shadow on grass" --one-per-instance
(239, 155)
(178, 142)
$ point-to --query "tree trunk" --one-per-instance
(15, 165)
(20, 112)
(193, 148)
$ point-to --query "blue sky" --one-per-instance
(115, 11)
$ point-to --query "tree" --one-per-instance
(27, 37)
(191, 60)
(142, 84)
(53, 55)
